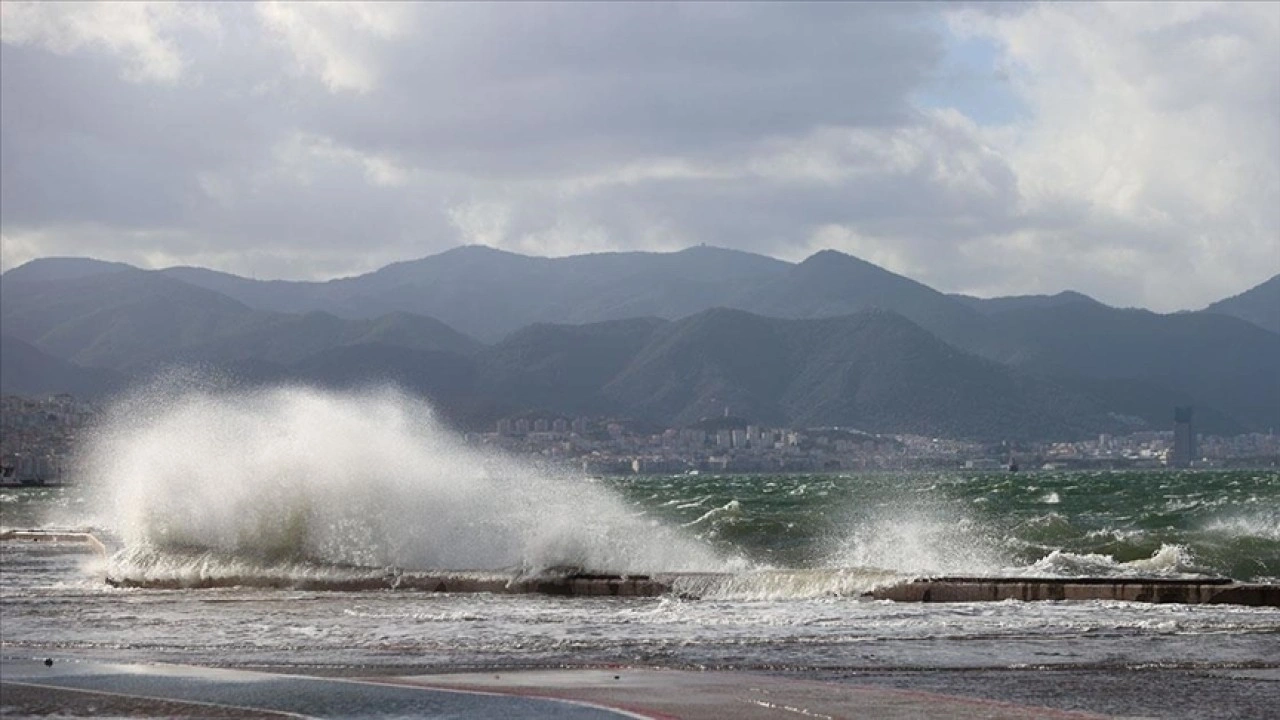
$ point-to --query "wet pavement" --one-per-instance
(29, 688)
(77, 688)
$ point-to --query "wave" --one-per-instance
(370, 479)
(144, 567)
(1262, 525)
(922, 541)
(151, 567)
(718, 517)
(1170, 561)
(201, 485)
(759, 585)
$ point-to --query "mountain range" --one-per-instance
(666, 337)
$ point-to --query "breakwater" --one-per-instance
(1152, 590)
(1191, 591)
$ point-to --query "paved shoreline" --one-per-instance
(81, 688)
(73, 687)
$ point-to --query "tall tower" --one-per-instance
(1184, 437)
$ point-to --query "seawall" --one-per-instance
(1150, 590)
(929, 590)
(941, 589)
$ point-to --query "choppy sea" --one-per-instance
(299, 483)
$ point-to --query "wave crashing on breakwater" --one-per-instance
(297, 487)
(369, 479)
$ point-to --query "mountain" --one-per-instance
(988, 306)
(488, 293)
(61, 268)
(565, 367)
(115, 319)
(830, 283)
(1207, 360)
(874, 370)
(1259, 305)
(595, 333)
(274, 295)
(27, 370)
(287, 339)
(130, 319)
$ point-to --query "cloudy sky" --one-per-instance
(1128, 151)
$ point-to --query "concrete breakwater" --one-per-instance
(1153, 590)
(568, 582)
(928, 590)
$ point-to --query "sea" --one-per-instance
(185, 487)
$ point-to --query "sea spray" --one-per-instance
(921, 538)
(364, 478)
(778, 584)
(206, 482)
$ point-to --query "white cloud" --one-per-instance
(305, 156)
(143, 34)
(333, 41)
(638, 173)
(1157, 131)
(17, 248)
(1144, 171)
(481, 223)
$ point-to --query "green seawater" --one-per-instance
(1053, 524)
(1153, 523)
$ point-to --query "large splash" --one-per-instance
(922, 538)
(370, 478)
(202, 485)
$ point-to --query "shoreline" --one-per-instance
(80, 686)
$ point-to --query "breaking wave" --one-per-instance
(298, 487)
(922, 540)
(1170, 561)
(371, 479)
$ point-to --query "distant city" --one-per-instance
(38, 438)
(735, 445)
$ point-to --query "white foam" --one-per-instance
(731, 509)
(1168, 561)
(1264, 525)
(364, 478)
(760, 585)
(921, 540)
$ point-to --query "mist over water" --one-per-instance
(370, 478)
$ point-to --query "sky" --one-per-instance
(1128, 151)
